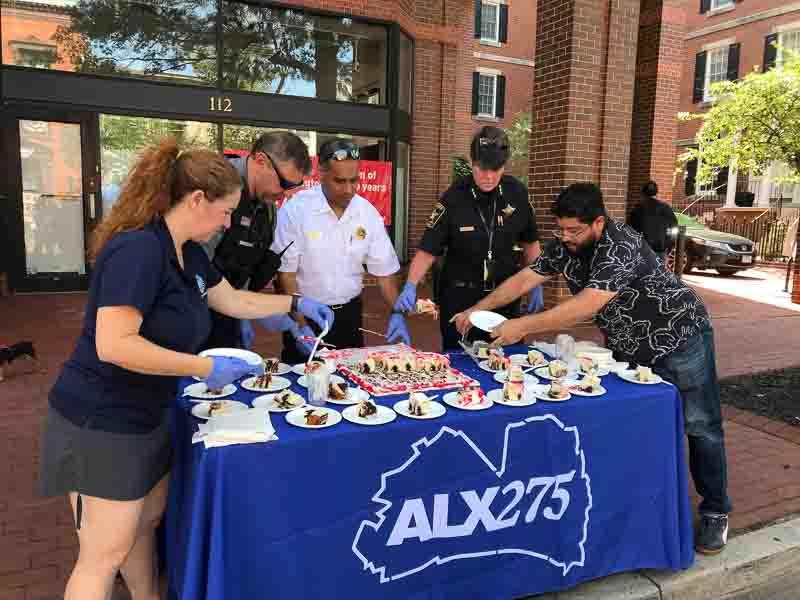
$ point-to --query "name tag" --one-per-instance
(246, 244)
(245, 221)
(314, 235)
(470, 228)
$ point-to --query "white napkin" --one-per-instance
(549, 349)
(245, 427)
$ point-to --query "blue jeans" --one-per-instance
(693, 371)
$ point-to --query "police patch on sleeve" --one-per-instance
(437, 213)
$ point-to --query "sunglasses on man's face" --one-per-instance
(343, 152)
(285, 184)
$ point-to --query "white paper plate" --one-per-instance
(598, 391)
(522, 359)
(484, 364)
(354, 396)
(383, 416)
(276, 385)
(540, 391)
(268, 401)
(496, 396)
(301, 381)
(630, 376)
(435, 410)
(200, 410)
(600, 371)
(283, 369)
(296, 417)
(250, 357)
(500, 377)
(544, 373)
(486, 320)
(199, 391)
(299, 369)
(451, 399)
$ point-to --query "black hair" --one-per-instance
(582, 201)
(650, 189)
(328, 148)
(284, 146)
(490, 148)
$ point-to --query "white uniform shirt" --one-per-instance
(329, 253)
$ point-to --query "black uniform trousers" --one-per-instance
(344, 333)
(456, 296)
(225, 332)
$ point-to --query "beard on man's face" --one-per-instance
(584, 249)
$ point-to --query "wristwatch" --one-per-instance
(295, 302)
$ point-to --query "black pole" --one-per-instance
(788, 273)
(680, 252)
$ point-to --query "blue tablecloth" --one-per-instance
(486, 504)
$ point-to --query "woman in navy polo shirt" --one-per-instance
(106, 442)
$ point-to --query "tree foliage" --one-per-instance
(519, 134)
(751, 124)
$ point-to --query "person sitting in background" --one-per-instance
(655, 220)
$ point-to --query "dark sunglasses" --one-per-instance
(491, 142)
(341, 151)
(285, 184)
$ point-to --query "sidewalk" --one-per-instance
(37, 541)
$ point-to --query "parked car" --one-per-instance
(710, 249)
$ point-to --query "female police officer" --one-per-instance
(106, 442)
(480, 222)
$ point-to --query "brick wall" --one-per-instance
(659, 67)
(585, 69)
(749, 34)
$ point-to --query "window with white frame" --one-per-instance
(717, 4)
(716, 70)
(788, 40)
(487, 93)
(490, 21)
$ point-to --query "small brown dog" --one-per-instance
(9, 354)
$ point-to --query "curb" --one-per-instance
(750, 564)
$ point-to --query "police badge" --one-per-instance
(361, 233)
(508, 210)
(437, 213)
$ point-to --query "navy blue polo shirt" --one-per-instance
(139, 269)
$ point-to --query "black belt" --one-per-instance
(348, 303)
(470, 285)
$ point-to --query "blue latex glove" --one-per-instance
(281, 322)
(227, 369)
(304, 346)
(536, 300)
(316, 311)
(246, 333)
(407, 300)
(398, 330)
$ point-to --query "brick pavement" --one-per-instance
(38, 545)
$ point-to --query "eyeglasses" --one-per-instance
(572, 232)
(488, 142)
(341, 151)
(285, 184)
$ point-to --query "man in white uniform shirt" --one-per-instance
(334, 233)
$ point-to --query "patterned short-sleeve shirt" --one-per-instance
(652, 315)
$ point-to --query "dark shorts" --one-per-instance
(103, 464)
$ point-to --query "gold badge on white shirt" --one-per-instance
(361, 233)
(314, 235)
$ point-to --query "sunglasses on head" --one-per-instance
(285, 184)
(491, 142)
(342, 151)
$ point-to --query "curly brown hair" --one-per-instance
(159, 180)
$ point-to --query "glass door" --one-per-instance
(51, 195)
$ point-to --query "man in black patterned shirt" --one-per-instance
(648, 318)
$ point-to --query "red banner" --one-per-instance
(374, 184)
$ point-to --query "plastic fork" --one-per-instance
(321, 335)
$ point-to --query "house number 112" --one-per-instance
(220, 104)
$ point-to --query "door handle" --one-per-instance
(91, 206)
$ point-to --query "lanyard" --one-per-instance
(493, 218)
